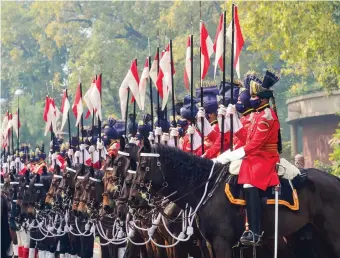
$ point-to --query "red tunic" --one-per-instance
(259, 164)
(209, 140)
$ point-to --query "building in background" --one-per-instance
(313, 120)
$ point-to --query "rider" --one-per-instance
(191, 129)
(258, 168)
(209, 113)
(216, 147)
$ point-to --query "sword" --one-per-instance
(276, 189)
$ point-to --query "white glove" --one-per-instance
(231, 110)
(77, 154)
(191, 129)
(17, 160)
(134, 140)
(100, 144)
(51, 144)
(151, 137)
(158, 131)
(28, 166)
(200, 113)
(165, 137)
(9, 158)
(54, 156)
(229, 156)
(92, 149)
(174, 133)
(222, 112)
(70, 152)
(82, 146)
(5, 165)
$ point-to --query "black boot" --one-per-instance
(254, 206)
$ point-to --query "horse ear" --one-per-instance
(122, 143)
(27, 176)
(147, 145)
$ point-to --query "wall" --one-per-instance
(316, 132)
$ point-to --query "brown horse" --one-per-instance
(220, 221)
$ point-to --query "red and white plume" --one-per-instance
(238, 40)
(207, 49)
(77, 106)
(187, 69)
(87, 99)
(153, 70)
(143, 82)
(16, 123)
(65, 107)
(131, 81)
(218, 44)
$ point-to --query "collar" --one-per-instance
(248, 112)
(214, 122)
(262, 107)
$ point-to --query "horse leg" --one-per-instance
(104, 248)
(221, 249)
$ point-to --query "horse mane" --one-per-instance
(187, 167)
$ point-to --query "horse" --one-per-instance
(184, 176)
(5, 230)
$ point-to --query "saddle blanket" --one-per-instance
(287, 197)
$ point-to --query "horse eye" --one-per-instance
(92, 187)
(68, 175)
(38, 191)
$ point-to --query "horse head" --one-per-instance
(78, 187)
(92, 197)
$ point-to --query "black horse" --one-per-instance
(220, 221)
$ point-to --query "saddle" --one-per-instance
(291, 179)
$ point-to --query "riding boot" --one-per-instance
(254, 206)
(31, 253)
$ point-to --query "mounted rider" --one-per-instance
(209, 114)
(259, 155)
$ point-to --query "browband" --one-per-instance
(95, 179)
(144, 154)
(13, 183)
(58, 176)
(124, 153)
(109, 169)
(38, 184)
(131, 171)
(70, 169)
(80, 177)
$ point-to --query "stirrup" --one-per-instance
(249, 238)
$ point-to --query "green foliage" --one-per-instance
(335, 155)
(56, 43)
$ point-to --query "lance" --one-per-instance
(68, 121)
(201, 83)
(18, 118)
(93, 115)
(232, 76)
(127, 110)
(10, 132)
(158, 57)
(134, 112)
(99, 121)
(173, 90)
(191, 88)
(150, 83)
(223, 79)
